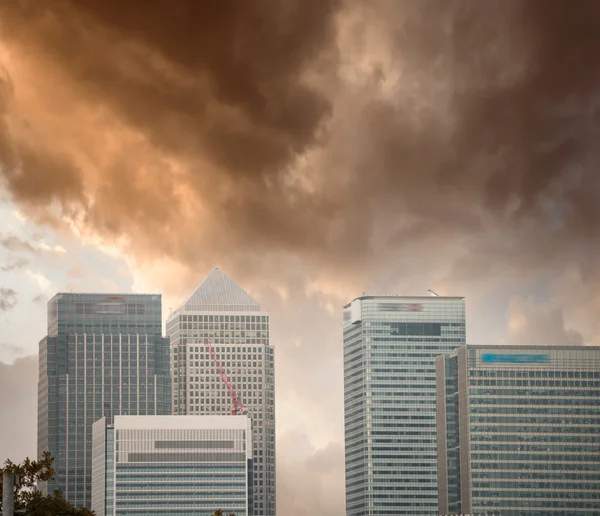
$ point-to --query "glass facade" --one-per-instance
(172, 466)
(103, 355)
(518, 430)
(390, 347)
(221, 312)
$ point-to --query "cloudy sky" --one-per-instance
(313, 150)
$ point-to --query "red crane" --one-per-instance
(237, 408)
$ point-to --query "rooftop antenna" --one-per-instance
(432, 292)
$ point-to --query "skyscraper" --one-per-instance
(104, 355)
(390, 348)
(222, 313)
(172, 465)
(518, 430)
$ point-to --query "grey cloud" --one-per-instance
(16, 244)
(8, 299)
(18, 406)
(530, 324)
(312, 484)
(41, 299)
(19, 263)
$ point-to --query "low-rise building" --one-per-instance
(172, 465)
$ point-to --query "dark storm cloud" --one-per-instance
(219, 86)
(493, 119)
(34, 173)
(504, 116)
(8, 299)
(247, 57)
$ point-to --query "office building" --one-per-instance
(390, 347)
(231, 321)
(518, 430)
(104, 355)
(172, 465)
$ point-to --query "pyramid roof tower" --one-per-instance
(219, 293)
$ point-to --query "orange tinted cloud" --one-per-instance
(204, 130)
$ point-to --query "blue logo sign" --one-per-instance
(514, 358)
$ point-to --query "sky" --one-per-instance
(313, 150)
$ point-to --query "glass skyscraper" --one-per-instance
(518, 431)
(390, 348)
(222, 313)
(104, 355)
(172, 466)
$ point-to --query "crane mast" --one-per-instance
(237, 407)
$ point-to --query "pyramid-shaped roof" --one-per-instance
(218, 292)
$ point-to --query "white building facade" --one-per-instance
(223, 314)
(172, 465)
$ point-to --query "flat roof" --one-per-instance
(400, 297)
(106, 294)
(180, 422)
(530, 346)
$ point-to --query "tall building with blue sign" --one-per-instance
(104, 355)
(172, 465)
(518, 430)
(390, 347)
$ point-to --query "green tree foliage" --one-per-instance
(219, 512)
(31, 502)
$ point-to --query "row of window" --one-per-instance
(551, 402)
(558, 457)
(528, 465)
(546, 476)
(573, 387)
(224, 318)
(531, 437)
(515, 498)
(527, 373)
(543, 447)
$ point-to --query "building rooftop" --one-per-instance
(178, 422)
(530, 346)
(108, 295)
(394, 297)
(219, 293)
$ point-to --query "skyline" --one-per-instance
(314, 150)
(332, 474)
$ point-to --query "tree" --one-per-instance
(219, 512)
(30, 502)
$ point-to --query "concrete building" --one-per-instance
(172, 465)
(222, 313)
(390, 347)
(103, 355)
(518, 430)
